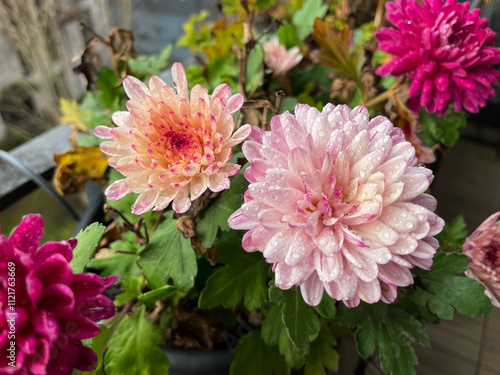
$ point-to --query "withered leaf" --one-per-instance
(337, 50)
(75, 167)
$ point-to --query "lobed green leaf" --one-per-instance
(322, 354)
(135, 349)
(243, 277)
(217, 214)
(169, 256)
(252, 356)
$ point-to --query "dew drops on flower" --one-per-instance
(447, 51)
(336, 202)
(55, 309)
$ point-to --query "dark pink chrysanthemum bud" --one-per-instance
(45, 309)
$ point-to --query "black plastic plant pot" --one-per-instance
(195, 362)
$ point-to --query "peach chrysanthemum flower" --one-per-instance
(169, 145)
(279, 58)
(336, 202)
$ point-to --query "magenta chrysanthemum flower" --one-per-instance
(336, 203)
(169, 145)
(279, 58)
(446, 50)
(483, 249)
(54, 309)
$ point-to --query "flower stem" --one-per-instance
(379, 14)
(383, 96)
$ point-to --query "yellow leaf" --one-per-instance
(225, 36)
(75, 167)
(71, 114)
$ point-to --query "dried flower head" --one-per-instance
(170, 145)
(483, 249)
(337, 203)
(446, 50)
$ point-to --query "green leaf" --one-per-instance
(387, 82)
(366, 339)
(276, 295)
(131, 288)
(288, 36)
(252, 356)
(446, 265)
(327, 307)
(462, 293)
(88, 240)
(322, 354)
(397, 357)
(444, 129)
(288, 104)
(99, 345)
(169, 256)
(107, 83)
(272, 325)
(453, 235)
(222, 70)
(303, 19)
(243, 277)
(134, 348)
(294, 357)
(152, 296)
(409, 326)
(378, 57)
(362, 35)
(254, 69)
(150, 65)
(217, 214)
(116, 265)
(273, 333)
(387, 327)
(356, 97)
(301, 322)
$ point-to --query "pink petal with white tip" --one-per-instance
(135, 89)
(180, 80)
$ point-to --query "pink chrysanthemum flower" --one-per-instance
(54, 309)
(446, 50)
(336, 203)
(483, 249)
(278, 58)
(169, 145)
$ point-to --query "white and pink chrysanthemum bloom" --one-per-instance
(278, 58)
(172, 146)
(483, 249)
(446, 50)
(336, 202)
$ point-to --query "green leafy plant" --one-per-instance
(187, 280)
